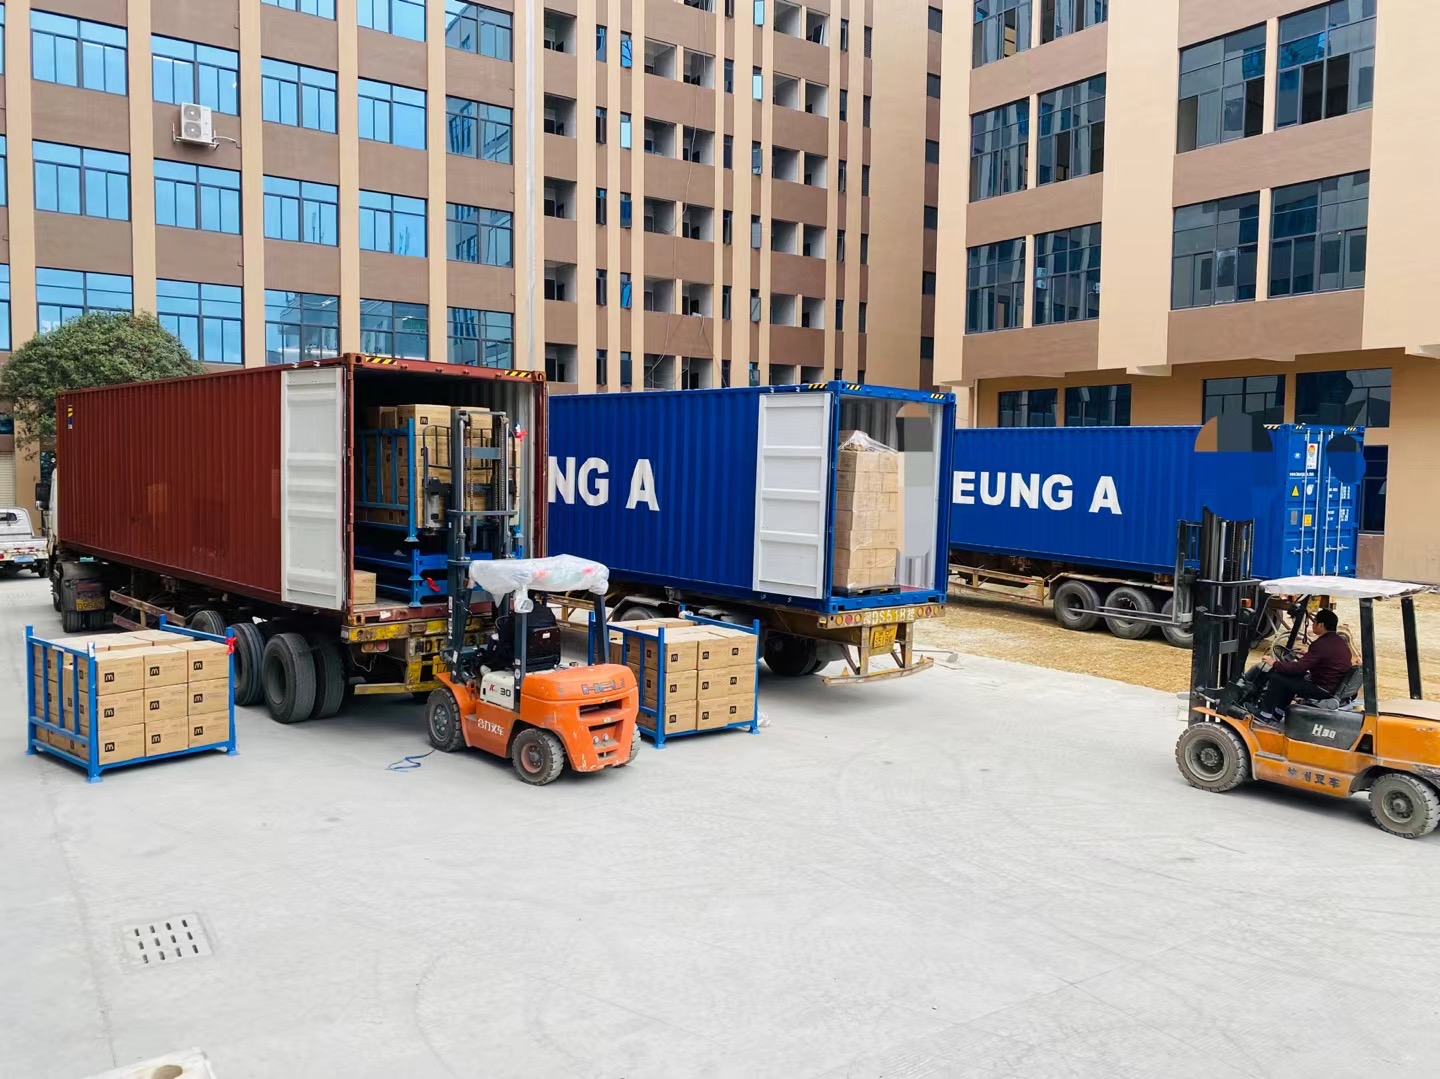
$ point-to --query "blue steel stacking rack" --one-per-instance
(67, 722)
(650, 721)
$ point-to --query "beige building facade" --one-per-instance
(627, 194)
(1155, 212)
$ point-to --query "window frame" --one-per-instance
(488, 333)
(1233, 243)
(399, 105)
(90, 46)
(218, 97)
(1296, 63)
(494, 30)
(1113, 410)
(385, 319)
(1075, 118)
(988, 40)
(1307, 234)
(1271, 412)
(1061, 18)
(87, 164)
(309, 199)
(1025, 406)
(493, 239)
(222, 204)
(310, 90)
(480, 128)
(1229, 71)
(993, 272)
(318, 321)
(91, 284)
(226, 313)
(1082, 282)
(400, 215)
(999, 150)
(1366, 411)
(408, 14)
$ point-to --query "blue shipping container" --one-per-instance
(731, 492)
(1113, 496)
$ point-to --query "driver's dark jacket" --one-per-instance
(1327, 662)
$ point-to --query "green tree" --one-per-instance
(93, 350)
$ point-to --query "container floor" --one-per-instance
(984, 870)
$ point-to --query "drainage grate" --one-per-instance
(166, 940)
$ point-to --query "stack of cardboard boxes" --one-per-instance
(155, 693)
(390, 475)
(708, 673)
(867, 514)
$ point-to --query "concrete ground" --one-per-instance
(991, 870)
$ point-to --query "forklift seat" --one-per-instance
(1346, 692)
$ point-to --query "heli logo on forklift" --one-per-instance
(1056, 492)
(593, 483)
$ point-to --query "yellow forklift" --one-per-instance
(1350, 743)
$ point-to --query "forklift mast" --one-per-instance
(478, 520)
(1228, 604)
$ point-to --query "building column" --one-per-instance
(587, 313)
(21, 168)
(347, 125)
(435, 188)
(252, 187)
(142, 156)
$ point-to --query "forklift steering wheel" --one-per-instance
(1283, 654)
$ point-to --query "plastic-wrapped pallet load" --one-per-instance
(867, 513)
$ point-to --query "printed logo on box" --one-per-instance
(109, 713)
(110, 675)
(197, 665)
(155, 671)
(154, 705)
(109, 747)
(155, 739)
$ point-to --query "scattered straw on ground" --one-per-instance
(1004, 630)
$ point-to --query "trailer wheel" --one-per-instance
(249, 651)
(1075, 605)
(538, 756)
(330, 676)
(442, 721)
(1130, 599)
(41, 568)
(207, 620)
(1179, 636)
(1404, 805)
(287, 671)
(72, 621)
(790, 656)
(638, 612)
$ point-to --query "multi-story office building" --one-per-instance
(1171, 209)
(628, 194)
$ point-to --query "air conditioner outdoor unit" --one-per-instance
(196, 125)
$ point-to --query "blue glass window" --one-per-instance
(4, 169)
(4, 307)
(476, 234)
(1067, 275)
(627, 53)
(297, 96)
(300, 326)
(393, 223)
(2, 71)
(62, 295)
(477, 129)
(1318, 235)
(1327, 62)
(76, 180)
(186, 72)
(301, 211)
(393, 114)
(999, 150)
(1027, 408)
(482, 338)
(197, 197)
(391, 328)
(206, 318)
(323, 8)
(476, 28)
(403, 18)
(74, 52)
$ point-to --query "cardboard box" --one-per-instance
(165, 702)
(724, 684)
(165, 666)
(866, 482)
(123, 744)
(363, 590)
(209, 729)
(727, 648)
(723, 712)
(116, 710)
(631, 657)
(870, 538)
(873, 568)
(207, 661)
(679, 716)
(682, 649)
(679, 686)
(118, 671)
(166, 735)
(207, 698)
(160, 636)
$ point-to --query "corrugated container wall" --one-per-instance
(1114, 496)
(176, 475)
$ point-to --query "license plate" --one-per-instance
(24, 558)
(882, 638)
(89, 603)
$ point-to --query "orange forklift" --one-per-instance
(510, 695)
(1347, 744)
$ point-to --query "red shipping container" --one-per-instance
(223, 479)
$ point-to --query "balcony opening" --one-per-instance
(812, 241)
(812, 314)
(785, 163)
(815, 170)
(559, 115)
(789, 18)
(817, 98)
(697, 223)
(660, 295)
(659, 59)
(785, 237)
(784, 374)
(560, 198)
(817, 27)
(784, 309)
(659, 371)
(660, 138)
(699, 68)
(697, 145)
(810, 375)
(559, 31)
(696, 373)
(560, 363)
(695, 299)
(560, 281)
(660, 216)
(787, 91)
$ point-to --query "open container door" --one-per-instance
(792, 482)
(312, 487)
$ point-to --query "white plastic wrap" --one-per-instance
(518, 576)
(860, 442)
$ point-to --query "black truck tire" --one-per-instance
(207, 620)
(329, 674)
(249, 653)
(287, 671)
(1179, 636)
(72, 621)
(1130, 599)
(1075, 605)
(790, 656)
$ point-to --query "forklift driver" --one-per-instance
(1312, 676)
